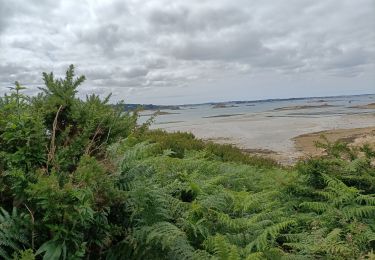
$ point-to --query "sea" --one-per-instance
(292, 107)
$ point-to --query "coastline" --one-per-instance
(304, 144)
(283, 138)
(353, 136)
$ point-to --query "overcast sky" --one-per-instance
(172, 52)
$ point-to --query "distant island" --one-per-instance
(132, 107)
(226, 104)
(302, 107)
(223, 105)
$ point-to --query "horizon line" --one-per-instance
(254, 100)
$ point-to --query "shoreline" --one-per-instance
(284, 131)
(284, 139)
(353, 136)
(304, 144)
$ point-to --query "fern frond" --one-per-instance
(338, 249)
(221, 248)
(269, 235)
(231, 223)
(249, 202)
(334, 235)
(170, 238)
(318, 207)
(366, 199)
(13, 232)
(255, 256)
(359, 211)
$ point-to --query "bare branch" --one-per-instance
(52, 150)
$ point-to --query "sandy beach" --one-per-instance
(355, 136)
(283, 134)
(285, 139)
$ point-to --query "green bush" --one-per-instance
(180, 142)
(79, 179)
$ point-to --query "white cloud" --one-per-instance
(133, 47)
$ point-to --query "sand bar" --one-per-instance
(355, 136)
(260, 132)
(302, 107)
(368, 106)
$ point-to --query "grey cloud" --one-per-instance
(156, 62)
(228, 47)
(11, 68)
(10, 72)
(352, 58)
(184, 20)
(97, 73)
(11, 11)
(135, 72)
(169, 18)
(159, 44)
(105, 36)
(5, 13)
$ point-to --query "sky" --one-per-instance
(192, 51)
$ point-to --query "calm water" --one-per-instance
(337, 106)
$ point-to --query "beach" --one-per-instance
(285, 131)
(305, 143)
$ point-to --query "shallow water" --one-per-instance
(263, 125)
(338, 106)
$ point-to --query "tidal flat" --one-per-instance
(281, 127)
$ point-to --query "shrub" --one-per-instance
(180, 142)
(80, 179)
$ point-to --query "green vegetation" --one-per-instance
(81, 180)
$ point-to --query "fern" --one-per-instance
(366, 199)
(269, 235)
(318, 207)
(359, 211)
(100, 186)
(221, 248)
(53, 250)
(13, 232)
(168, 237)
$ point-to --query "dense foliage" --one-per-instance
(81, 180)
